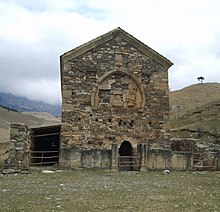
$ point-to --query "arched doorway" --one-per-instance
(125, 156)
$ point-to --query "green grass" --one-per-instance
(111, 191)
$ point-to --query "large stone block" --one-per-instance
(67, 93)
(182, 161)
(159, 159)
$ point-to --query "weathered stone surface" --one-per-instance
(20, 144)
(8, 171)
(182, 160)
(114, 89)
(48, 172)
(166, 172)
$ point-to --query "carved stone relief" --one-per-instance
(118, 90)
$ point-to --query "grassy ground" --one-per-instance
(111, 191)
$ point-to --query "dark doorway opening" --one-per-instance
(45, 146)
(125, 160)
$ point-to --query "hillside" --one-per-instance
(8, 116)
(24, 104)
(195, 112)
(194, 96)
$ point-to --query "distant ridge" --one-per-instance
(8, 108)
(22, 104)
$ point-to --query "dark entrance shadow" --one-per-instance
(45, 146)
(125, 156)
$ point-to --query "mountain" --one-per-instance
(195, 112)
(23, 104)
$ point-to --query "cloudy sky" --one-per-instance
(34, 33)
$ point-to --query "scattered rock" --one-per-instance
(47, 172)
(8, 171)
(25, 172)
(201, 173)
(166, 172)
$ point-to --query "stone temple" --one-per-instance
(115, 115)
(115, 105)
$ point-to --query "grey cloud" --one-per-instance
(31, 68)
(21, 63)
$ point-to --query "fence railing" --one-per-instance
(44, 157)
(128, 163)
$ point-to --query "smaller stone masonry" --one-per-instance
(18, 156)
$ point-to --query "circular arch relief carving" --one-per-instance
(117, 89)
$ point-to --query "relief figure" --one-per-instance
(131, 96)
(117, 101)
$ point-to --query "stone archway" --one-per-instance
(118, 89)
(125, 156)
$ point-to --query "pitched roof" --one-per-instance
(118, 32)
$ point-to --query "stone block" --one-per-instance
(67, 93)
(67, 107)
(13, 133)
(106, 159)
(8, 171)
(182, 160)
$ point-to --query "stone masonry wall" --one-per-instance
(18, 157)
(114, 93)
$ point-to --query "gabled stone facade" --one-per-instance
(114, 90)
